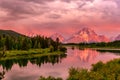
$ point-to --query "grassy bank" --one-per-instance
(15, 54)
(34, 56)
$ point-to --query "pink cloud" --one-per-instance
(48, 17)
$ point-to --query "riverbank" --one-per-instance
(99, 71)
(21, 54)
(95, 48)
(111, 49)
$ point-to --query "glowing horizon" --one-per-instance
(47, 17)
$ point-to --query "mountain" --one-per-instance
(10, 33)
(118, 37)
(57, 35)
(86, 35)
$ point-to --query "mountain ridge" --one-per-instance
(84, 35)
(87, 35)
(10, 33)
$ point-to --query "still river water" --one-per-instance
(57, 66)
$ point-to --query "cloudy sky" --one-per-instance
(64, 16)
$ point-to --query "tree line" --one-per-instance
(25, 43)
(114, 44)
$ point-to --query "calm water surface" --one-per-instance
(57, 66)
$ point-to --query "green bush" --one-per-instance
(51, 48)
(99, 71)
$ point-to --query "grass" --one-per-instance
(13, 54)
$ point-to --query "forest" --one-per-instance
(13, 46)
(8, 42)
(114, 44)
(25, 43)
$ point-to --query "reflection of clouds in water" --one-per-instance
(22, 73)
(1, 68)
(75, 58)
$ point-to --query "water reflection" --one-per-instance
(86, 55)
(84, 58)
(2, 73)
(48, 65)
(7, 64)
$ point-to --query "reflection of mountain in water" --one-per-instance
(7, 64)
(85, 55)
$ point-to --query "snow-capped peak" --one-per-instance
(87, 35)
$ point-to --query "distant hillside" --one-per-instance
(10, 33)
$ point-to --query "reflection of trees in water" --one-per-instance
(7, 64)
(117, 52)
(2, 73)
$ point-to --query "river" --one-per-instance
(57, 66)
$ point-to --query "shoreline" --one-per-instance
(110, 49)
(32, 53)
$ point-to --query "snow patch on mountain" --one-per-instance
(87, 35)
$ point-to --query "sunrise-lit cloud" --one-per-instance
(51, 16)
